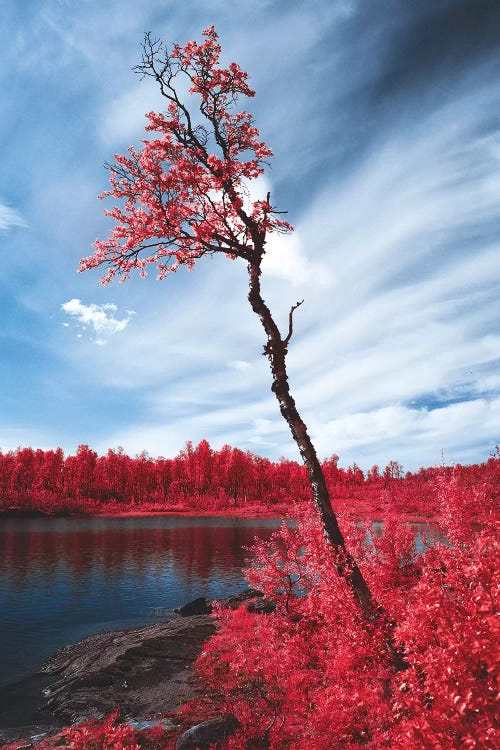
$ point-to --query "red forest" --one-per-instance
(201, 479)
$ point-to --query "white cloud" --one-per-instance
(9, 217)
(286, 257)
(264, 426)
(231, 423)
(414, 436)
(239, 364)
(123, 120)
(98, 317)
(11, 437)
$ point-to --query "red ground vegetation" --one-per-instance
(107, 734)
(315, 675)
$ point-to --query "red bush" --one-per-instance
(105, 734)
(313, 674)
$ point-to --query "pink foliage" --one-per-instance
(313, 674)
(183, 192)
(105, 734)
(202, 479)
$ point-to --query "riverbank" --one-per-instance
(146, 673)
(252, 512)
(281, 512)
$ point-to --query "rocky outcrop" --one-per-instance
(143, 672)
(251, 597)
(199, 606)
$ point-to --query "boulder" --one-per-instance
(199, 606)
(208, 733)
(252, 598)
(236, 600)
(262, 606)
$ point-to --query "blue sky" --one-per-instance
(384, 118)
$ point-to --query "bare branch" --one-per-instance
(290, 322)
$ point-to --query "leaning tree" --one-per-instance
(184, 196)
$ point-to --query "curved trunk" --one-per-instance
(276, 350)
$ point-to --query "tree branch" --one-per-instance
(290, 322)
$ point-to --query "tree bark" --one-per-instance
(276, 351)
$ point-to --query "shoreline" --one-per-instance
(145, 672)
(102, 673)
(278, 512)
(252, 512)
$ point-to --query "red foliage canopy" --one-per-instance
(184, 194)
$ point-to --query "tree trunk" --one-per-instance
(276, 350)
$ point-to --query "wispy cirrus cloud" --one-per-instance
(415, 436)
(10, 217)
(380, 356)
(388, 161)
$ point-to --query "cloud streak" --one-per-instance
(9, 218)
(388, 161)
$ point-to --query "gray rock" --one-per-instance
(207, 733)
(200, 606)
(144, 672)
(263, 606)
(148, 724)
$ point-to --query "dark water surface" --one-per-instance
(62, 579)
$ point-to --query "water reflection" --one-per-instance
(426, 534)
(64, 579)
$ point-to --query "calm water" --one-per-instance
(426, 533)
(62, 579)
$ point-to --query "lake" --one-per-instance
(62, 579)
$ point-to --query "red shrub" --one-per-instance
(314, 674)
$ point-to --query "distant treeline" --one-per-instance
(203, 479)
